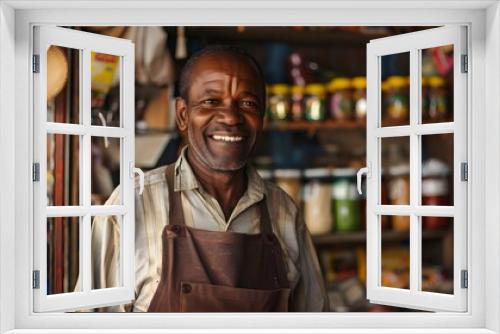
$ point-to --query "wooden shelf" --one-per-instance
(281, 34)
(313, 126)
(360, 237)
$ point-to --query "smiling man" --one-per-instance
(211, 235)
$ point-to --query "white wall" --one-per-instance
(492, 133)
(7, 161)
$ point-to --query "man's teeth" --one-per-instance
(227, 138)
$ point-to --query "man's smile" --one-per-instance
(227, 138)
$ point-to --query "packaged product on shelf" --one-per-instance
(359, 97)
(289, 181)
(399, 194)
(317, 194)
(435, 191)
(397, 99)
(346, 204)
(279, 102)
(314, 102)
(297, 103)
(340, 99)
(437, 109)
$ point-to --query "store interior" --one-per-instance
(313, 143)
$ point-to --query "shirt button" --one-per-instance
(186, 288)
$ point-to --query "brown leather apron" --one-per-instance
(206, 271)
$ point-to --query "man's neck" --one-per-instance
(227, 187)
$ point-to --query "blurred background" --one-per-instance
(313, 144)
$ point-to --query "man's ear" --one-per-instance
(181, 114)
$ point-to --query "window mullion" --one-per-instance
(85, 242)
(415, 167)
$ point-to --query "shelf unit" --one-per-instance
(359, 237)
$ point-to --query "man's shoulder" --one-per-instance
(277, 198)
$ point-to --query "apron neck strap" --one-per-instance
(175, 212)
(265, 220)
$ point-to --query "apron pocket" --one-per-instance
(203, 297)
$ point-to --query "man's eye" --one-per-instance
(249, 104)
(210, 102)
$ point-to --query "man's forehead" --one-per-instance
(219, 62)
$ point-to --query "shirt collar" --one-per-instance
(185, 179)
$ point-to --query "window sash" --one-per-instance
(413, 43)
(45, 36)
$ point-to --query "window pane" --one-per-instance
(395, 253)
(105, 86)
(63, 263)
(395, 189)
(106, 252)
(63, 85)
(437, 169)
(437, 84)
(395, 86)
(437, 254)
(63, 170)
(105, 168)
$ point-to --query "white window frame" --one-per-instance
(85, 44)
(483, 18)
(414, 43)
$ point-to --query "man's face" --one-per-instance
(224, 112)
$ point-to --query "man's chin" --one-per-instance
(228, 167)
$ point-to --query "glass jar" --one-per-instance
(317, 196)
(289, 181)
(397, 99)
(297, 103)
(278, 102)
(437, 108)
(359, 97)
(340, 99)
(346, 201)
(435, 191)
(314, 102)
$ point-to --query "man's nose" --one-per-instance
(231, 114)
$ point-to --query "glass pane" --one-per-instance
(437, 169)
(63, 85)
(63, 262)
(106, 252)
(63, 170)
(437, 84)
(395, 254)
(395, 86)
(105, 86)
(105, 168)
(395, 189)
(437, 254)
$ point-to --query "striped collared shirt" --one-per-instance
(202, 211)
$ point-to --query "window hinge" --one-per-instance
(36, 63)
(464, 171)
(36, 279)
(465, 64)
(36, 172)
(464, 279)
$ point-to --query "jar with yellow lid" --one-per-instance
(397, 108)
(437, 110)
(359, 97)
(278, 105)
(297, 103)
(340, 99)
(314, 102)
